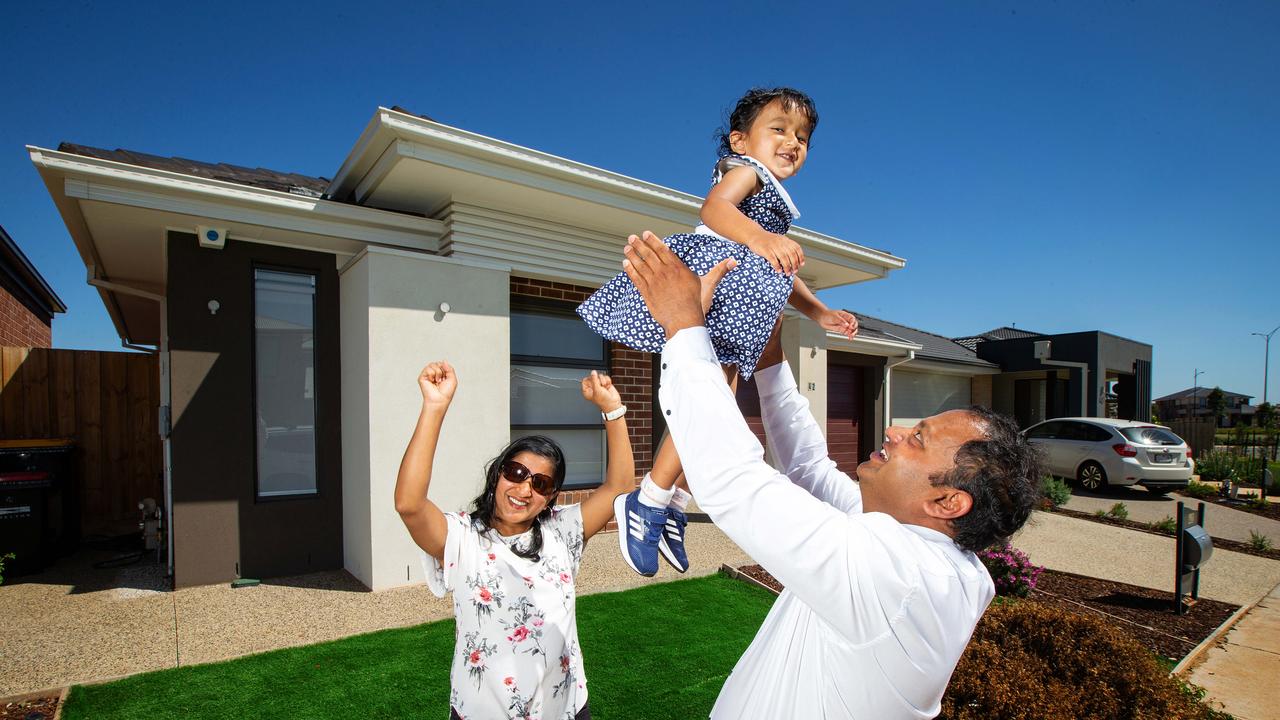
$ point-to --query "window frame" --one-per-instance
(560, 308)
(315, 373)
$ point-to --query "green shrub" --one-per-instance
(1055, 490)
(1258, 503)
(1168, 525)
(3, 558)
(1119, 511)
(1200, 490)
(1011, 570)
(1258, 541)
(1028, 660)
(1100, 513)
(1215, 466)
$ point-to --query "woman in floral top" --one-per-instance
(511, 561)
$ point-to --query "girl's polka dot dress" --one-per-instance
(746, 302)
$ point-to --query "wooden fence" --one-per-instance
(107, 402)
(1198, 432)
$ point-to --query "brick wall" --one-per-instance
(19, 327)
(632, 375)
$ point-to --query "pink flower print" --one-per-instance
(483, 595)
(565, 578)
(492, 556)
(475, 659)
(564, 663)
(520, 634)
(528, 581)
(509, 681)
(537, 622)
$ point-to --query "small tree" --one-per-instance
(1155, 413)
(1266, 416)
(1217, 403)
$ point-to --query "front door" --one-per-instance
(844, 416)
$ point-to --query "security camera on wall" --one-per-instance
(210, 237)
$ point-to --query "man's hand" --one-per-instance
(670, 290)
(839, 321)
(783, 253)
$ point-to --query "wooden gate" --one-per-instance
(107, 402)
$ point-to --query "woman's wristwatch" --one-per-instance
(615, 413)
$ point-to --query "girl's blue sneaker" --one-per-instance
(639, 527)
(671, 541)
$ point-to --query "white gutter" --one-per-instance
(888, 376)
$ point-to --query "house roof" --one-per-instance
(22, 276)
(932, 346)
(1000, 333)
(1201, 392)
(294, 183)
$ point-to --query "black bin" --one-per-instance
(25, 529)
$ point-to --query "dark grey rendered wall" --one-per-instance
(220, 525)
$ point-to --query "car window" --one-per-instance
(1150, 436)
(1044, 431)
(1097, 434)
(1073, 431)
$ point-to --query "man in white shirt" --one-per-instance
(883, 587)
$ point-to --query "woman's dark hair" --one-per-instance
(1001, 472)
(482, 506)
(750, 105)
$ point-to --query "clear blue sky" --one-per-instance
(1062, 166)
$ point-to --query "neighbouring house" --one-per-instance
(1080, 374)
(27, 303)
(291, 315)
(1194, 402)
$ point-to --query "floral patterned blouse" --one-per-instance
(516, 654)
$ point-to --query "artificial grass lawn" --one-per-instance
(654, 653)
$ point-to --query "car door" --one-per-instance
(1045, 438)
(1076, 441)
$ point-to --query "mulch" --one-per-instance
(1223, 543)
(1148, 615)
(1271, 511)
(30, 709)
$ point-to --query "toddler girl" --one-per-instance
(745, 217)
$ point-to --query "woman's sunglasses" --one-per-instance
(544, 485)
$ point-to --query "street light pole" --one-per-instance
(1266, 359)
(1195, 392)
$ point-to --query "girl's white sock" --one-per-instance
(652, 495)
(680, 499)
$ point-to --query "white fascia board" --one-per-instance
(870, 346)
(942, 367)
(424, 139)
(120, 183)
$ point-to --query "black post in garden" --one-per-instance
(1192, 549)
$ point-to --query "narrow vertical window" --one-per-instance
(284, 387)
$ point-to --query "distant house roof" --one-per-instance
(21, 278)
(254, 177)
(932, 346)
(1000, 333)
(1200, 392)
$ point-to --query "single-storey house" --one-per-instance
(27, 302)
(291, 315)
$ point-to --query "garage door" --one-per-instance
(844, 416)
(918, 395)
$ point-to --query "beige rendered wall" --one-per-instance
(804, 343)
(403, 329)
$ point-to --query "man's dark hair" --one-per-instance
(1001, 472)
(755, 100)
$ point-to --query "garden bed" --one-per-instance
(1271, 511)
(1144, 613)
(1221, 543)
(36, 708)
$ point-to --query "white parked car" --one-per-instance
(1098, 452)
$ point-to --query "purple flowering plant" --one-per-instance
(1011, 570)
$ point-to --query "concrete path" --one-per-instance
(1146, 507)
(76, 624)
(1240, 673)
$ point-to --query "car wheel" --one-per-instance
(1092, 477)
